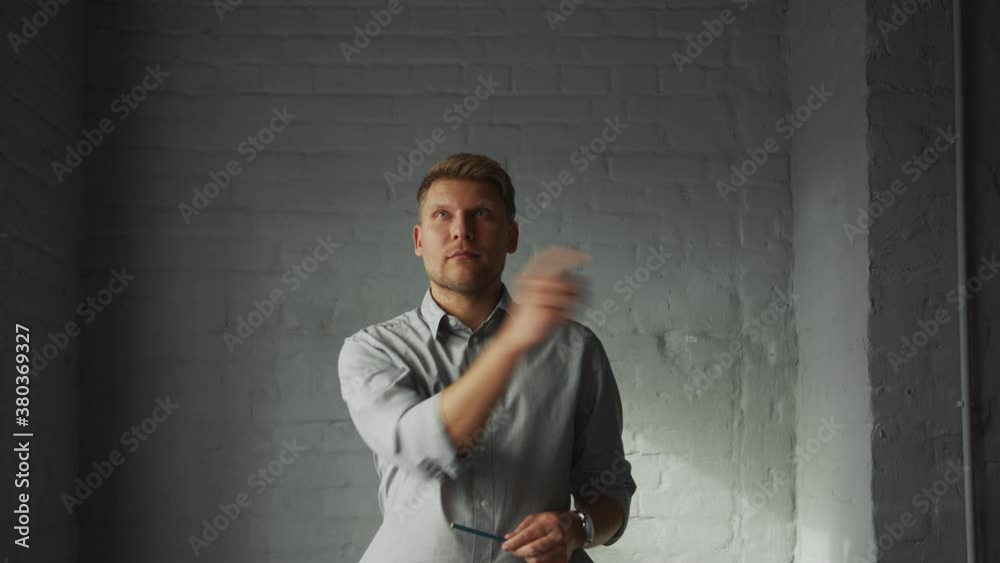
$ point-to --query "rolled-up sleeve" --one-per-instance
(599, 464)
(393, 417)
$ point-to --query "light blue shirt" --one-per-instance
(555, 434)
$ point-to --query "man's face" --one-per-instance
(463, 215)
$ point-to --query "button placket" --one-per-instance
(484, 490)
(482, 472)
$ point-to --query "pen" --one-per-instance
(478, 532)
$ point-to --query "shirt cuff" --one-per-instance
(624, 500)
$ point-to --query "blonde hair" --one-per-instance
(475, 167)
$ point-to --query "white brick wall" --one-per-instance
(696, 461)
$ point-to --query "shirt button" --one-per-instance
(484, 503)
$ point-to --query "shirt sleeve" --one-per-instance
(394, 418)
(599, 464)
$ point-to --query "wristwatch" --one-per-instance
(588, 527)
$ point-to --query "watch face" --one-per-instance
(588, 528)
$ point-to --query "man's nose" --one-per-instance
(460, 228)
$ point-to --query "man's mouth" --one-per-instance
(464, 254)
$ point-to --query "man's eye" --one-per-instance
(479, 211)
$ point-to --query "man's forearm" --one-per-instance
(466, 403)
(607, 516)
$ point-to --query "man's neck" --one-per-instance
(471, 309)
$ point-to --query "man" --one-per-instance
(481, 410)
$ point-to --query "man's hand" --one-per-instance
(544, 297)
(546, 537)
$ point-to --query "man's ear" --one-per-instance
(512, 237)
(417, 243)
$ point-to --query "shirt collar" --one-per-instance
(434, 314)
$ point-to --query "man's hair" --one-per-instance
(475, 167)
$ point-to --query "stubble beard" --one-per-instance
(479, 282)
